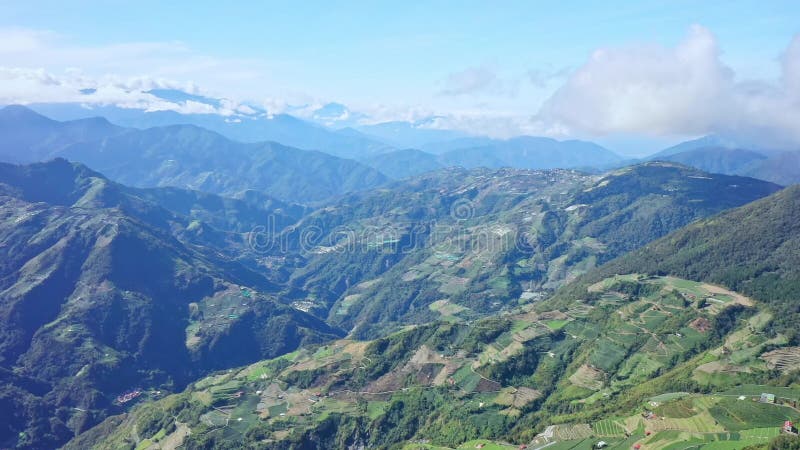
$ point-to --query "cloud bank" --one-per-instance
(685, 90)
(42, 66)
(640, 90)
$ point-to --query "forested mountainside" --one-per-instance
(230, 281)
(628, 354)
(754, 249)
(104, 292)
(483, 240)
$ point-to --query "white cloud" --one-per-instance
(542, 78)
(132, 65)
(685, 90)
(478, 122)
(791, 68)
(40, 66)
(644, 90)
(478, 80)
(21, 40)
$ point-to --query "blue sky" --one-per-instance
(393, 59)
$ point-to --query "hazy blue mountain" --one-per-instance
(191, 157)
(782, 168)
(354, 133)
(720, 155)
(529, 152)
(409, 134)
(257, 126)
(181, 156)
(525, 152)
(26, 136)
(718, 159)
(710, 141)
(404, 163)
(440, 147)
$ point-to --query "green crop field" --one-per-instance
(487, 445)
(757, 390)
(581, 444)
(652, 319)
(679, 409)
(607, 355)
(608, 428)
(669, 396)
(760, 433)
(466, 379)
(638, 366)
(737, 415)
(556, 324)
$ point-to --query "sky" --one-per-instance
(634, 75)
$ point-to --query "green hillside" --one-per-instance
(682, 350)
(642, 358)
(455, 263)
(104, 293)
(487, 240)
(754, 249)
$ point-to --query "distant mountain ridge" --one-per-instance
(26, 136)
(718, 159)
(414, 134)
(257, 126)
(183, 156)
(720, 155)
(195, 158)
(524, 152)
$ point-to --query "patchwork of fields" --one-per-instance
(632, 329)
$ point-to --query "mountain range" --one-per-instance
(397, 149)
(77, 248)
(525, 152)
(646, 351)
(184, 156)
(255, 126)
(171, 286)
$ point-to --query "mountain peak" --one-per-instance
(22, 113)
